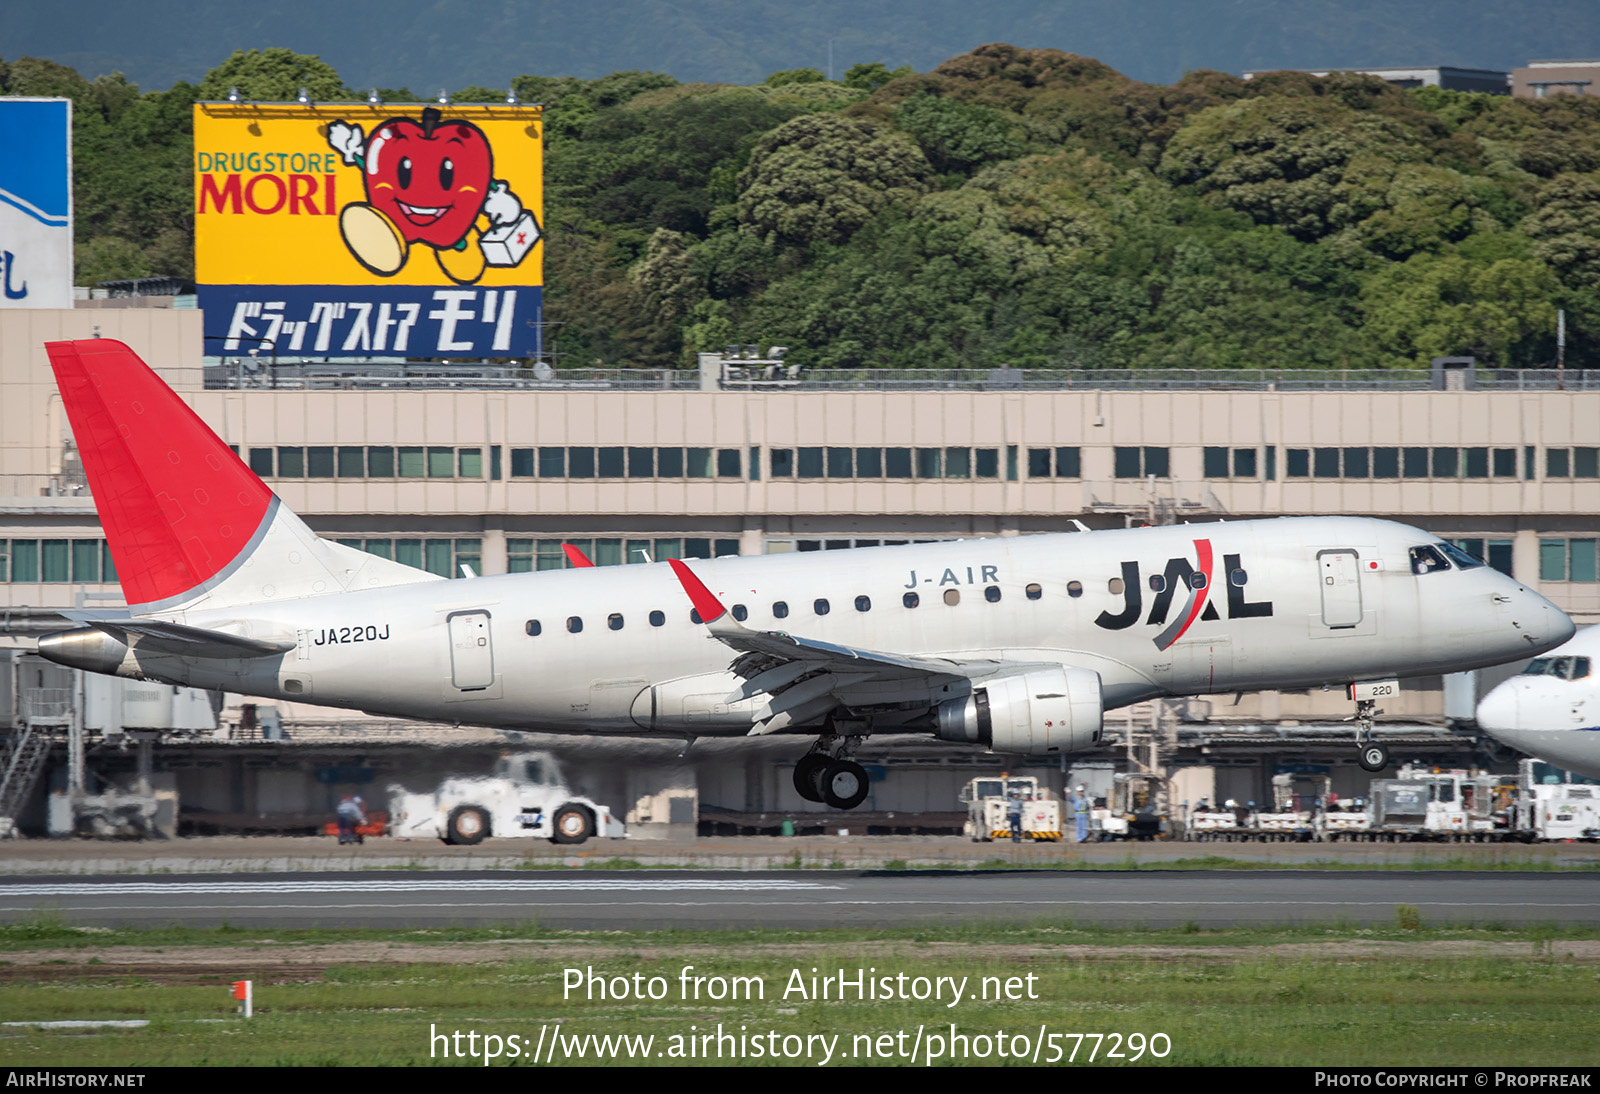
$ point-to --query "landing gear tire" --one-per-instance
(572, 824)
(844, 784)
(808, 775)
(467, 825)
(1373, 757)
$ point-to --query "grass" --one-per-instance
(1326, 1002)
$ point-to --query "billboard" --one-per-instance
(368, 229)
(36, 203)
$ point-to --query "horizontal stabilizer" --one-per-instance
(175, 638)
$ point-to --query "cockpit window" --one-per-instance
(1427, 560)
(1455, 554)
(1562, 668)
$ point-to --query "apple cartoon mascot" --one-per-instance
(429, 183)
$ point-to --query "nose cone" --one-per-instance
(1538, 623)
(1498, 710)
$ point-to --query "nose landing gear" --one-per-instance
(1373, 757)
(827, 774)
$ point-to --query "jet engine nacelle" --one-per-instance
(1047, 710)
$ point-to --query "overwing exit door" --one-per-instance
(1341, 588)
(471, 652)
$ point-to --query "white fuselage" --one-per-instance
(1286, 603)
(1552, 709)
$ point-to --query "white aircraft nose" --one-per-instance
(1541, 624)
(1498, 709)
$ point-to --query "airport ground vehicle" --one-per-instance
(526, 796)
(1136, 808)
(1425, 805)
(988, 800)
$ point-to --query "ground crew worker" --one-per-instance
(350, 814)
(1080, 812)
(1014, 813)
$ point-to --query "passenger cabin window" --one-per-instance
(533, 628)
(574, 624)
(614, 621)
(1034, 591)
(1074, 588)
(1238, 577)
(657, 618)
(991, 593)
(1197, 580)
(740, 612)
(952, 597)
(911, 600)
(694, 616)
(1158, 583)
(820, 606)
(780, 610)
(1427, 560)
(863, 603)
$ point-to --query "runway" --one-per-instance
(809, 899)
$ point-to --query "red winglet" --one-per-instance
(705, 602)
(176, 504)
(575, 556)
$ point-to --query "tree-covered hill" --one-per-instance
(1028, 207)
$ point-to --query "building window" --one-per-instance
(1568, 560)
(1136, 463)
(1230, 463)
(57, 561)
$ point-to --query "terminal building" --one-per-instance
(468, 470)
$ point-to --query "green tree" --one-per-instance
(1433, 306)
(275, 75)
(795, 76)
(1283, 160)
(1565, 228)
(871, 76)
(820, 177)
(958, 136)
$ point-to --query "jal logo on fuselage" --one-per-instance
(1197, 579)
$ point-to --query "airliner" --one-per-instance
(1016, 644)
(1551, 710)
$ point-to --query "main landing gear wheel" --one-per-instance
(467, 825)
(808, 775)
(572, 824)
(1373, 757)
(844, 784)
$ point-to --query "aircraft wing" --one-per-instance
(805, 678)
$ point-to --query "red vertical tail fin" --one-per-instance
(178, 507)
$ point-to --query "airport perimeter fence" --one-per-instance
(354, 376)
